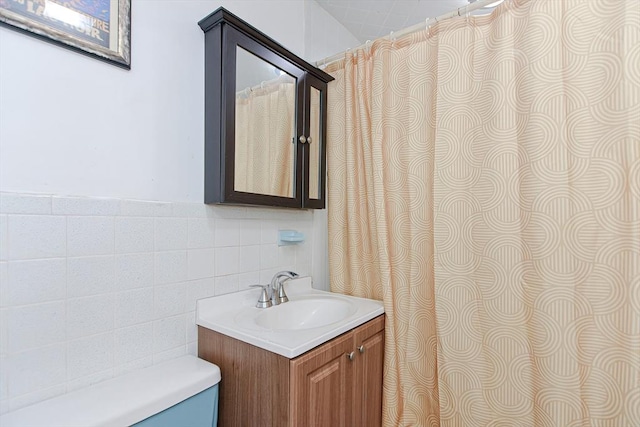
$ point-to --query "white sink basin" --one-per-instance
(310, 318)
(305, 312)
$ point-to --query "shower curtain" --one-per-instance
(484, 183)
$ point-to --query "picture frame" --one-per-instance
(99, 28)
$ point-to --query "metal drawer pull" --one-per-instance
(303, 139)
(351, 355)
(309, 140)
(361, 349)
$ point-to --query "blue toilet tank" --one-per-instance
(181, 392)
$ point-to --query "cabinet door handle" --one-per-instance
(361, 349)
(351, 355)
(309, 140)
(302, 139)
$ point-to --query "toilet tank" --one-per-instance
(181, 392)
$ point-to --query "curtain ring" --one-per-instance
(459, 11)
(366, 45)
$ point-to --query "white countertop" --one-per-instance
(231, 315)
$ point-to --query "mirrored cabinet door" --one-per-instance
(315, 129)
(264, 103)
(265, 128)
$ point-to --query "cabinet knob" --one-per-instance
(351, 355)
(309, 140)
(303, 139)
(361, 349)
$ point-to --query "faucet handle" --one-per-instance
(264, 301)
(282, 296)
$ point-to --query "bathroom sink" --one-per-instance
(310, 318)
(305, 313)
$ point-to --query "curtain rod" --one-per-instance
(412, 29)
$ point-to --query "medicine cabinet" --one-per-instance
(265, 119)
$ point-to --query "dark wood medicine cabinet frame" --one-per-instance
(224, 32)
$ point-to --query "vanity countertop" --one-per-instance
(310, 318)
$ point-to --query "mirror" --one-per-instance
(315, 144)
(265, 127)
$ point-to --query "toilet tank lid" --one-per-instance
(121, 401)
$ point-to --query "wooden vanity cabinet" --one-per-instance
(338, 383)
(369, 341)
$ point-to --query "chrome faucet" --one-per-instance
(277, 290)
(273, 293)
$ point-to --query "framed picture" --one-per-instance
(100, 28)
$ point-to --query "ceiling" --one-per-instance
(371, 19)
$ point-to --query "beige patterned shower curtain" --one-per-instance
(484, 182)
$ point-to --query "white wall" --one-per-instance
(74, 125)
(323, 35)
(70, 124)
(76, 305)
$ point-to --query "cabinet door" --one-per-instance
(321, 385)
(369, 341)
(315, 153)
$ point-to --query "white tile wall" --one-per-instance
(35, 281)
(33, 326)
(90, 315)
(90, 235)
(4, 239)
(133, 271)
(134, 234)
(92, 287)
(200, 263)
(89, 355)
(90, 275)
(36, 236)
(171, 234)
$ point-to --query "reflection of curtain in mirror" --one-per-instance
(264, 158)
(314, 147)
